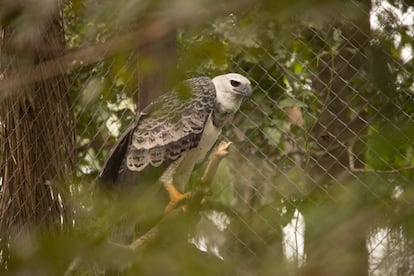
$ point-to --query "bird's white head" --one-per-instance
(231, 89)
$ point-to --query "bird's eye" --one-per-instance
(234, 83)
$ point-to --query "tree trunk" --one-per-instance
(335, 229)
(156, 69)
(37, 134)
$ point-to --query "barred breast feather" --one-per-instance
(172, 125)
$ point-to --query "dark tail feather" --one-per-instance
(110, 171)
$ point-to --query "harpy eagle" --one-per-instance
(175, 133)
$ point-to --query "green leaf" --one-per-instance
(298, 67)
(273, 136)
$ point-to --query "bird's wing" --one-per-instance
(172, 125)
(112, 165)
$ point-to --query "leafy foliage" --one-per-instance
(262, 187)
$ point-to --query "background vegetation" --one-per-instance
(319, 177)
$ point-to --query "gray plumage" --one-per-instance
(175, 132)
(171, 126)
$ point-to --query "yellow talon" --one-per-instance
(175, 197)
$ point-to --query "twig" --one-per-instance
(138, 243)
(73, 266)
(142, 240)
(361, 170)
(383, 171)
(215, 158)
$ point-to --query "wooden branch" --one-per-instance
(215, 158)
(131, 248)
(73, 266)
(153, 29)
(360, 170)
(142, 240)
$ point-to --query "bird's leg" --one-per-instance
(175, 196)
(167, 178)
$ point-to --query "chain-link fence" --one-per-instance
(319, 176)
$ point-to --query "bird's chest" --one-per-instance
(197, 155)
(207, 141)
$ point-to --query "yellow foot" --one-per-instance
(175, 197)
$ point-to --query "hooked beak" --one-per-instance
(245, 91)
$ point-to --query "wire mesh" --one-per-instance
(322, 155)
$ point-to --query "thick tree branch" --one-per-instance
(147, 32)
